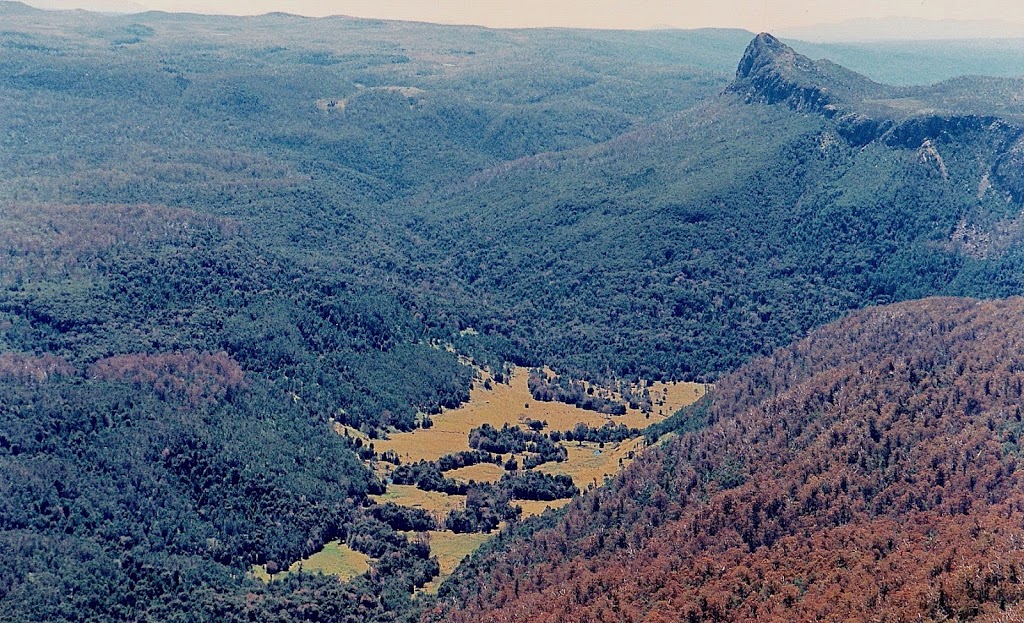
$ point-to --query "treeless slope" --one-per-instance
(868, 472)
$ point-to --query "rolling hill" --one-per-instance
(200, 283)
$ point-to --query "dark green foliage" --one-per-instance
(403, 518)
(472, 519)
(533, 485)
(544, 450)
(571, 392)
(502, 440)
(486, 506)
(609, 433)
(465, 459)
(538, 446)
(117, 504)
(176, 481)
(427, 475)
(489, 504)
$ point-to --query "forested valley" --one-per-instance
(235, 252)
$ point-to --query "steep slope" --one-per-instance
(868, 472)
(684, 248)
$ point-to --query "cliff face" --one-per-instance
(869, 472)
(771, 72)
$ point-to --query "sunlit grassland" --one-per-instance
(481, 472)
(451, 549)
(436, 503)
(512, 403)
(335, 558)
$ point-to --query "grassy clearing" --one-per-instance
(536, 507)
(260, 573)
(482, 472)
(436, 503)
(451, 549)
(513, 404)
(335, 558)
(590, 464)
(671, 397)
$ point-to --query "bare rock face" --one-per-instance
(771, 72)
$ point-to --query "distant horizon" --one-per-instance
(843, 21)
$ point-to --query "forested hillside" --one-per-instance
(224, 240)
(199, 281)
(167, 398)
(868, 472)
(684, 248)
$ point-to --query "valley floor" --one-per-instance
(497, 404)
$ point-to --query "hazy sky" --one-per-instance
(755, 15)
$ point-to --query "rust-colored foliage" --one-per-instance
(26, 367)
(195, 377)
(56, 240)
(869, 472)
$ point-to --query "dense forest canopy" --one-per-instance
(222, 239)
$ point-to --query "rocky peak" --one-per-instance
(772, 72)
(766, 52)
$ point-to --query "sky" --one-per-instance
(753, 15)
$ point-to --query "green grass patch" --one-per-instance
(335, 558)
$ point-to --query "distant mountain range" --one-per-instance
(858, 30)
(100, 6)
(904, 29)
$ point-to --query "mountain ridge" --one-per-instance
(758, 156)
(772, 72)
(14, 7)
